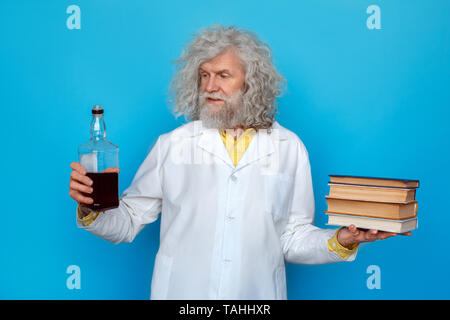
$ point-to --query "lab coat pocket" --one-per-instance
(280, 283)
(278, 190)
(161, 276)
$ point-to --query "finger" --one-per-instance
(385, 235)
(352, 228)
(73, 185)
(78, 197)
(81, 178)
(78, 167)
(391, 234)
(371, 235)
(111, 170)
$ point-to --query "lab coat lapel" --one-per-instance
(211, 142)
(261, 146)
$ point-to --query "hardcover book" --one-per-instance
(389, 225)
(374, 193)
(374, 181)
(376, 209)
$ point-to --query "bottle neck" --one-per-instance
(98, 129)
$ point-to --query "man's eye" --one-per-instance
(204, 75)
(224, 75)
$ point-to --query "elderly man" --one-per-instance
(233, 186)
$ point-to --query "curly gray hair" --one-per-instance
(263, 83)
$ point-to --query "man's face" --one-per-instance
(223, 74)
(222, 82)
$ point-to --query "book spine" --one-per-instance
(369, 181)
(375, 181)
(390, 226)
(371, 193)
(372, 209)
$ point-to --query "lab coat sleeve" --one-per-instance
(139, 205)
(302, 242)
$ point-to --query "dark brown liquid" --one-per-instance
(106, 191)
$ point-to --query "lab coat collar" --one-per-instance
(196, 128)
(262, 145)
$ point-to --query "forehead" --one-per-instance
(227, 60)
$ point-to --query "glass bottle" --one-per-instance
(98, 156)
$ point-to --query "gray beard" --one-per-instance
(229, 116)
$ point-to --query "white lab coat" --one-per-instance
(226, 231)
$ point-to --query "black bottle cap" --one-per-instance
(97, 109)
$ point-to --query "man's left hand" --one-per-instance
(348, 236)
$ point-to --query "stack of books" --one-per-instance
(372, 203)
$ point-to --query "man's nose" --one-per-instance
(211, 85)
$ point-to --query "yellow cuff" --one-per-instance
(89, 219)
(334, 245)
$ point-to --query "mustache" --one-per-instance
(206, 95)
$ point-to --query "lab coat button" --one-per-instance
(233, 178)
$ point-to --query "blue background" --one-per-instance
(364, 102)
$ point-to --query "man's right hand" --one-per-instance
(80, 183)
